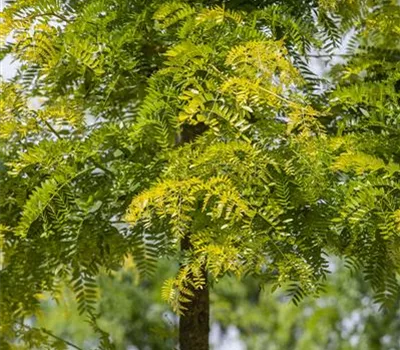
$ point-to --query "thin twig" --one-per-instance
(45, 331)
(101, 167)
(330, 55)
(54, 131)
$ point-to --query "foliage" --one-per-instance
(344, 317)
(152, 325)
(364, 105)
(197, 122)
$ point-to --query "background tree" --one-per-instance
(343, 317)
(208, 117)
(364, 105)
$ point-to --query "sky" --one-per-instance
(8, 67)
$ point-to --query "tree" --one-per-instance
(199, 124)
(364, 100)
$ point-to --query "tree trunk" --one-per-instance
(194, 325)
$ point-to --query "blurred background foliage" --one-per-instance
(243, 315)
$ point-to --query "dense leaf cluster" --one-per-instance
(132, 126)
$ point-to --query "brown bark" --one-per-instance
(194, 325)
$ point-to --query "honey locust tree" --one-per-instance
(187, 130)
